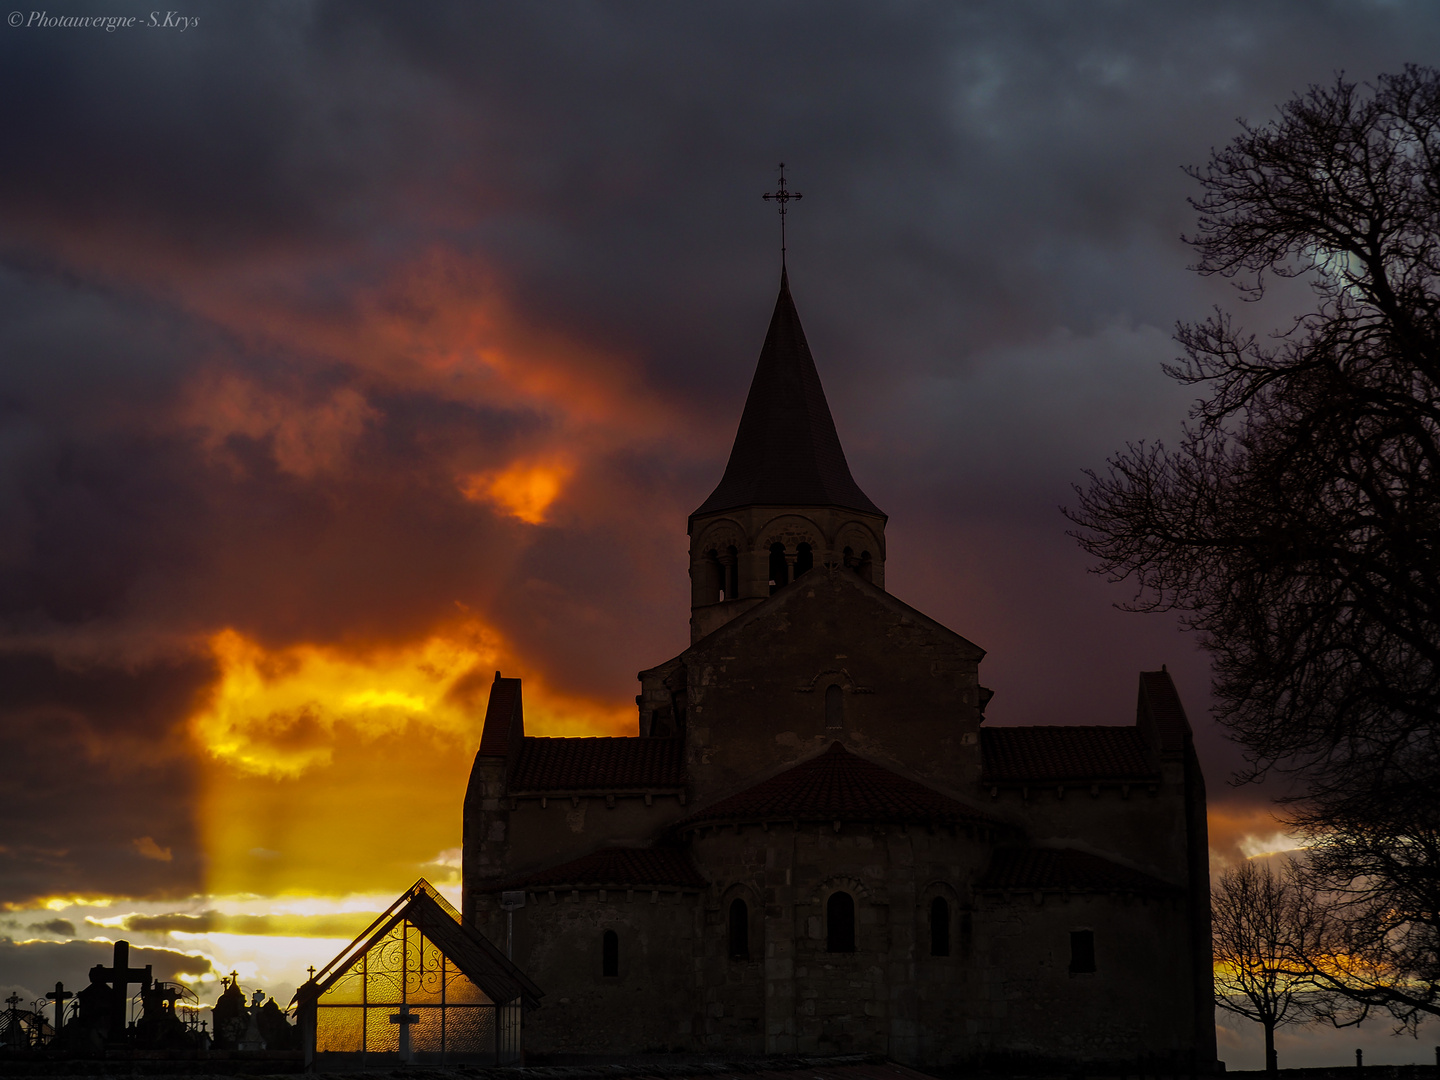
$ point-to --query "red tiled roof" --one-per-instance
(598, 764)
(838, 786)
(1054, 754)
(625, 868)
(1052, 868)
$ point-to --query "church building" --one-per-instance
(815, 844)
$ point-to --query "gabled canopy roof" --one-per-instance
(786, 452)
(839, 786)
(469, 950)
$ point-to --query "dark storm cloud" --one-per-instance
(214, 289)
(33, 967)
(93, 771)
(343, 926)
(58, 927)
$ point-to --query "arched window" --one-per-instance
(847, 558)
(739, 930)
(779, 572)
(834, 708)
(730, 563)
(610, 955)
(840, 923)
(939, 927)
(866, 568)
(804, 559)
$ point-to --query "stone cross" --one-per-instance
(59, 995)
(405, 1018)
(13, 1035)
(120, 976)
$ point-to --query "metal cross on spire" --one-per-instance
(782, 196)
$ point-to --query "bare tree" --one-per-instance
(1297, 525)
(1265, 930)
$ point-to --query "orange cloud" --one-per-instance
(149, 849)
(524, 490)
(305, 439)
(1246, 832)
(440, 324)
(333, 769)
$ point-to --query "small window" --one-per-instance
(1082, 952)
(866, 569)
(939, 927)
(610, 955)
(840, 923)
(834, 708)
(739, 930)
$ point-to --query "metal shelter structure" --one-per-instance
(417, 986)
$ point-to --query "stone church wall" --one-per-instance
(1031, 1003)
(647, 1008)
(815, 1000)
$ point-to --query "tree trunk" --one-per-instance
(1272, 1063)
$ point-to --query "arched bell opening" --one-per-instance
(804, 559)
(779, 568)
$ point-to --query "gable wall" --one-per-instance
(756, 690)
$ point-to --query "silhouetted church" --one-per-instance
(815, 844)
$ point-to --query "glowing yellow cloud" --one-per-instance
(331, 770)
(523, 490)
(278, 712)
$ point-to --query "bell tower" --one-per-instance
(787, 503)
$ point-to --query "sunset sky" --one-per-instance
(350, 352)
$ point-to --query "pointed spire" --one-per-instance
(786, 452)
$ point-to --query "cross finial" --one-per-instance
(782, 195)
(311, 969)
